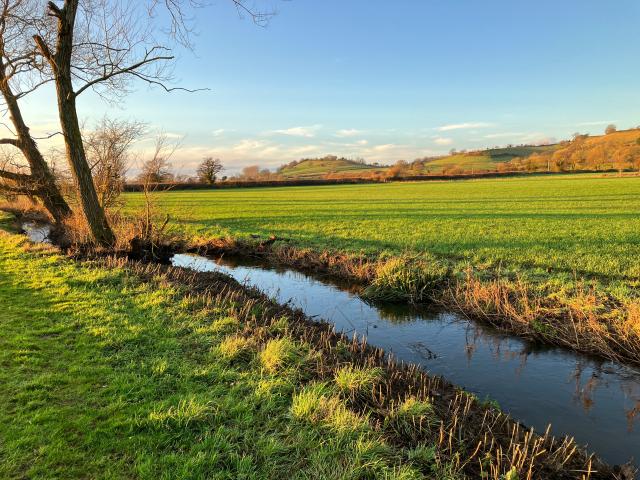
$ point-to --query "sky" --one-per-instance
(385, 80)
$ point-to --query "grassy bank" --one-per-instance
(554, 258)
(111, 370)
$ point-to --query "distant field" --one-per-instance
(549, 228)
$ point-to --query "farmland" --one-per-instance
(550, 258)
(550, 229)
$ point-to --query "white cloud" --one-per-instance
(463, 126)
(384, 148)
(249, 145)
(173, 135)
(308, 132)
(443, 141)
(347, 132)
(220, 132)
(362, 142)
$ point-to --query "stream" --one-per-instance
(594, 400)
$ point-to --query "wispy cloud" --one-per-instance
(220, 132)
(443, 141)
(348, 132)
(173, 135)
(464, 126)
(307, 132)
(385, 147)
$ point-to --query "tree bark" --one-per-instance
(61, 65)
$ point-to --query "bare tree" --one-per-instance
(16, 81)
(250, 172)
(102, 45)
(157, 169)
(108, 151)
(209, 170)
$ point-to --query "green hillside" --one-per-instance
(321, 167)
(617, 150)
(483, 160)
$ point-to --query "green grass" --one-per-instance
(317, 168)
(103, 375)
(548, 229)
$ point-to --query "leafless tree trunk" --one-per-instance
(60, 63)
(40, 182)
(99, 45)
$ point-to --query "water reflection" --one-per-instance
(596, 401)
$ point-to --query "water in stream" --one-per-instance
(596, 401)
(37, 232)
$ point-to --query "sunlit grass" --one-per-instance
(105, 376)
(548, 229)
(352, 380)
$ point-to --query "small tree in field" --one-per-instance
(209, 170)
(611, 128)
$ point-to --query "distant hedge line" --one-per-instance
(138, 187)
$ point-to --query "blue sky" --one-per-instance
(390, 80)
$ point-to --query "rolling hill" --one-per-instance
(618, 150)
(322, 167)
(482, 160)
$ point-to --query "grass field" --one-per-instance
(549, 229)
(115, 371)
(105, 376)
(553, 259)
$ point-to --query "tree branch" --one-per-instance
(16, 177)
(10, 141)
(53, 10)
(167, 89)
(44, 49)
(18, 190)
(121, 71)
